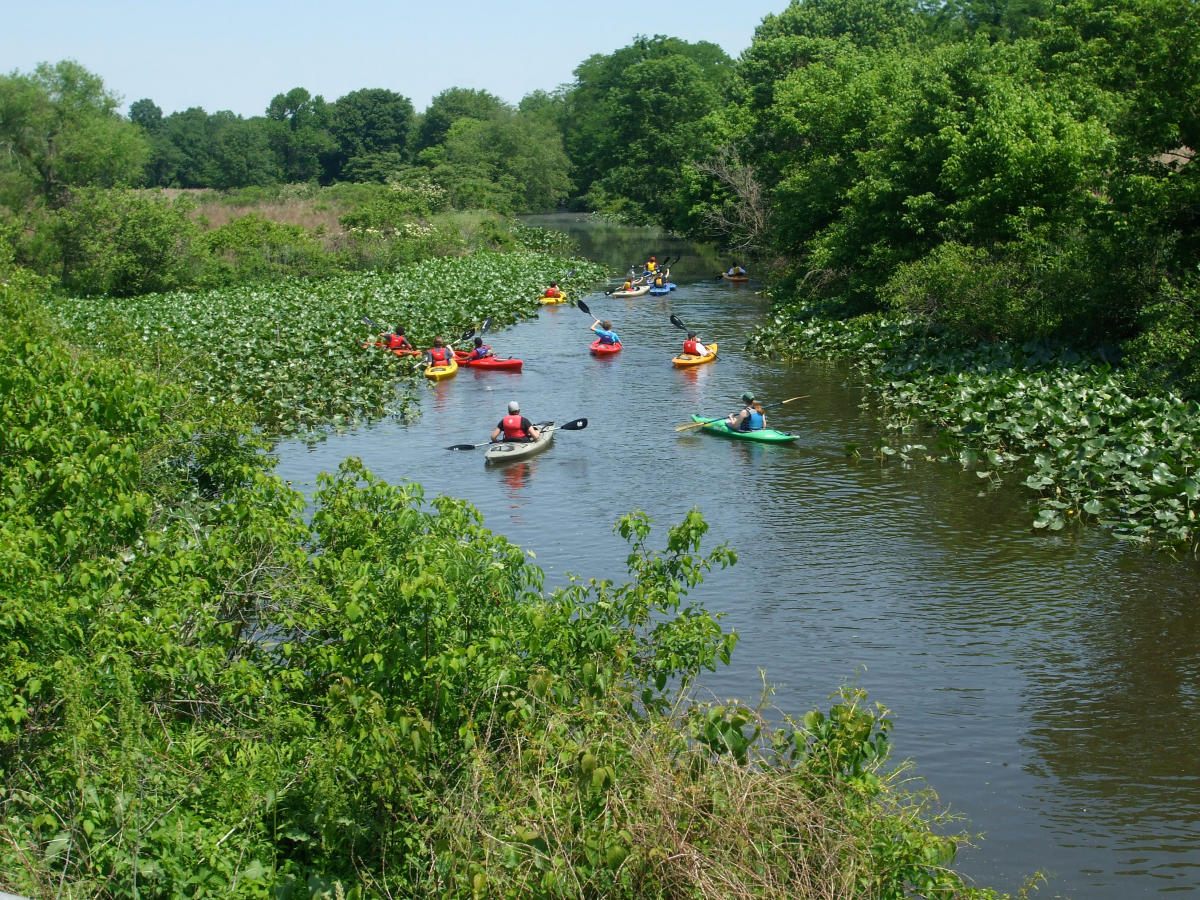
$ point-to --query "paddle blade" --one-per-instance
(369, 322)
(467, 335)
(583, 306)
(573, 425)
(693, 425)
(677, 322)
(463, 446)
(487, 323)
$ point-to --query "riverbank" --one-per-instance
(1080, 435)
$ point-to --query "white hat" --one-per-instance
(514, 406)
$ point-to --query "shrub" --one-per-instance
(252, 248)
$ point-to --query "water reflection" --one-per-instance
(515, 476)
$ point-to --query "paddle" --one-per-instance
(690, 425)
(678, 323)
(584, 306)
(573, 425)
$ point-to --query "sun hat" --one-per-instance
(514, 406)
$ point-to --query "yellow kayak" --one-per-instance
(683, 360)
(552, 301)
(441, 373)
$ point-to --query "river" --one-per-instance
(1046, 686)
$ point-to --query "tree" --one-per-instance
(509, 162)
(147, 114)
(451, 105)
(370, 126)
(632, 115)
(61, 129)
(304, 147)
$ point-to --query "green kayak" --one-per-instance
(766, 435)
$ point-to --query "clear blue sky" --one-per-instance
(228, 55)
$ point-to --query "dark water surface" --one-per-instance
(1047, 686)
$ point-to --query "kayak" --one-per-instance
(635, 292)
(507, 451)
(729, 277)
(684, 360)
(604, 349)
(441, 373)
(493, 363)
(765, 435)
(552, 301)
(398, 352)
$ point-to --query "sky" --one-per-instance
(228, 55)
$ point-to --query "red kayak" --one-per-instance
(488, 362)
(604, 349)
(398, 352)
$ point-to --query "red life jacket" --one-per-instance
(553, 292)
(512, 427)
(440, 356)
(692, 348)
(398, 342)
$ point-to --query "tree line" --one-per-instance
(1008, 170)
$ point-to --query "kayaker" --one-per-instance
(736, 271)
(554, 290)
(515, 427)
(693, 346)
(651, 265)
(603, 330)
(751, 417)
(395, 340)
(439, 354)
(479, 351)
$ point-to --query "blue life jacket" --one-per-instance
(754, 421)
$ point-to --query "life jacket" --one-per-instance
(651, 266)
(480, 352)
(628, 286)
(754, 421)
(658, 282)
(441, 356)
(512, 427)
(398, 342)
(692, 348)
(553, 292)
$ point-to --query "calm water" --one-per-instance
(1048, 687)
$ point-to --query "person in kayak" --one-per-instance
(736, 271)
(395, 340)
(604, 332)
(439, 354)
(554, 290)
(515, 427)
(479, 351)
(651, 265)
(693, 346)
(751, 417)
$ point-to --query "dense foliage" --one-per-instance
(1010, 172)
(208, 689)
